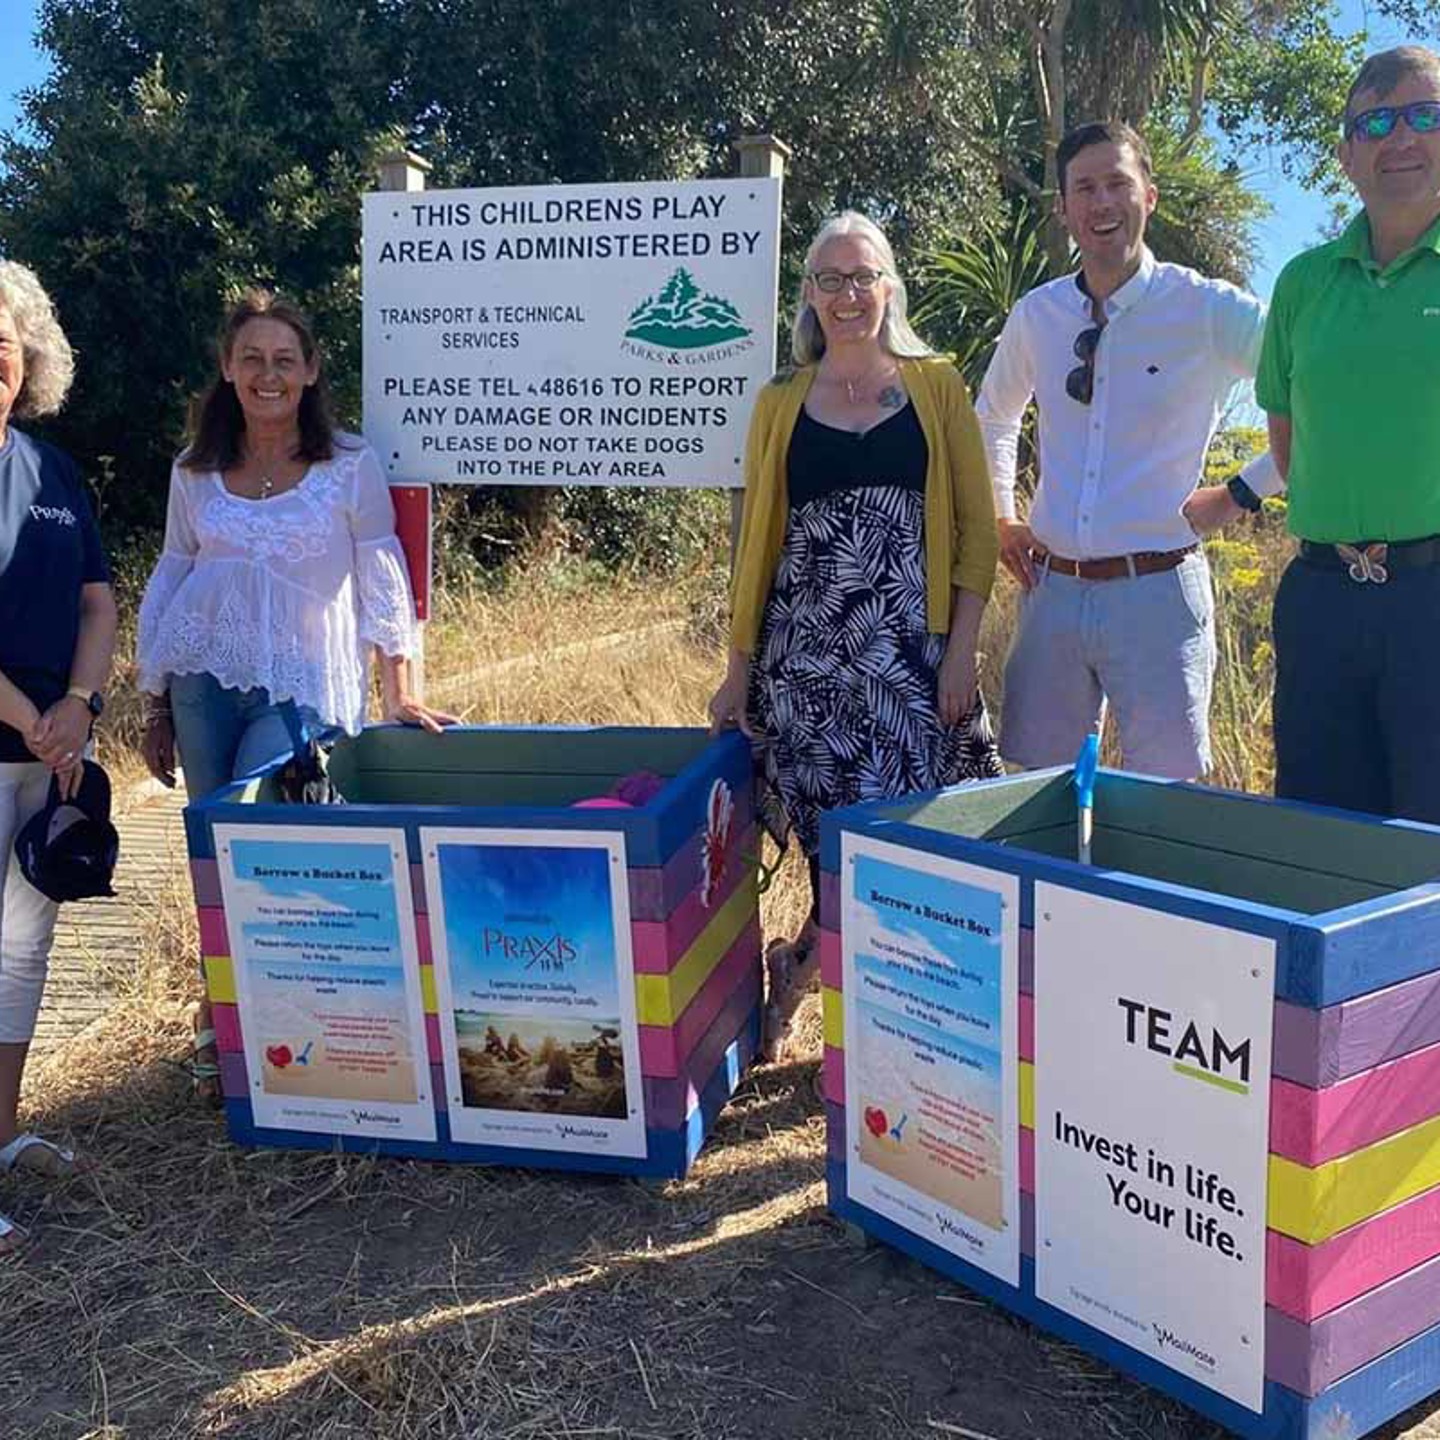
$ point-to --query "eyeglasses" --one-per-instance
(832, 282)
(1080, 382)
(1423, 117)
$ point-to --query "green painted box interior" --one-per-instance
(1211, 840)
(501, 767)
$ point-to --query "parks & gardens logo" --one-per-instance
(682, 325)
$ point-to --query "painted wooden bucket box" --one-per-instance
(1180, 1106)
(485, 956)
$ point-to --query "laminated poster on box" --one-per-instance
(930, 950)
(1152, 1116)
(535, 979)
(327, 980)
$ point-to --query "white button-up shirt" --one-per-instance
(1114, 473)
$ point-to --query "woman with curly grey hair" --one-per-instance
(57, 637)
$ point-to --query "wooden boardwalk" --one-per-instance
(99, 943)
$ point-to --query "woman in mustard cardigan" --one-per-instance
(866, 556)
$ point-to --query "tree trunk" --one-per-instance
(1199, 87)
(1049, 65)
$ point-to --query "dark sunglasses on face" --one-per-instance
(1423, 117)
(832, 282)
(1080, 382)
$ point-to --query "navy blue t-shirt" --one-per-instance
(49, 548)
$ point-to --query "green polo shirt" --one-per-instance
(1352, 356)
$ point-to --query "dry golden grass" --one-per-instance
(192, 1289)
(1246, 564)
(626, 653)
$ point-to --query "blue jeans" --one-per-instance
(223, 734)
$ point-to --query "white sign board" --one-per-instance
(535, 978)
(931, 983)
(327, 979)
(569, 334)
(1152, 1116)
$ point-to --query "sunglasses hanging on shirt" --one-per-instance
(1080, 382)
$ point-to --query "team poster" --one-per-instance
(931, 985)
(536, 986)
(1152, 1131)
(327, 979)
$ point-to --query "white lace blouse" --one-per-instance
(285, 593)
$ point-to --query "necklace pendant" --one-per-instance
(850, 391)
(266, 486)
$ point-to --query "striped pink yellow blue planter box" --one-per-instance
(1346, 1332)
(614, 949)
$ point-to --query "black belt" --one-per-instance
(1372, 560)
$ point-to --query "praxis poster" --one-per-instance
(536, 985)
(322, 938)
(931, 985)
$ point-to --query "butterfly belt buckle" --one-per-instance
(1367, 565)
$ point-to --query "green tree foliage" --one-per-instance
(970, 288)
(869, 97)
(1205, 215)
(186, 148)
(1281, 75)
(184, 151)
(1280, 86)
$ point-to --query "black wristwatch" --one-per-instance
(1243, 495)
(94, 700)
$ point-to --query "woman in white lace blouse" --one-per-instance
(280, 572)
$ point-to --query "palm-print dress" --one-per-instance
(843, 695)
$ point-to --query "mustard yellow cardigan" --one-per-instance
(961, 546)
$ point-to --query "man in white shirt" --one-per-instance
(1129, 362)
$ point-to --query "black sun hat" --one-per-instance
(68, 848)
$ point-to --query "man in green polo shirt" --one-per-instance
(1350, 378)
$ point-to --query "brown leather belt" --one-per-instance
(1113, 567)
